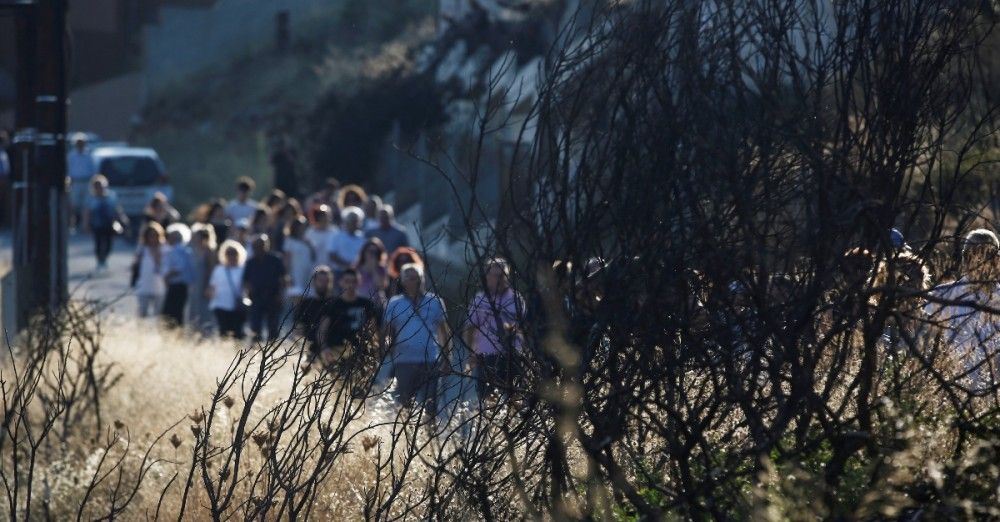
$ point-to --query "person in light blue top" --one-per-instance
(179, 273)
(80, 168)
(103, 217)
(418, 333)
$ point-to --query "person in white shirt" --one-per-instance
(80, 168)
(243, 206)
(149, 284)
(320, 234)
(225, 290)
(346, 245)
(300, 257)
(963, 309)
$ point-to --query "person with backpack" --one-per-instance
(103, 217)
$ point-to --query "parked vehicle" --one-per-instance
(135, 174)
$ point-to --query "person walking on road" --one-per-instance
(352, 196)
(346, 244)
(320, 234)
(348, 324)
(218, 219)
(204, 256)
(388, 231)
(160, 211)
(300, 257)
(148, 270)
(101, 214)
(288, 211)
(264, 279)
(309, 311)
(81, 169)
(371, 209)
(400, 257)
(179, 274)
(961, 309)
(418, 336)
(492, 331)
(373, 276)
(326, 195)
(225, 290)
(243, 206)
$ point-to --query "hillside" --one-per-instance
(221, 123)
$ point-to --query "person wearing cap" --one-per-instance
(178, 274)
(961, 308)
(80, 168)
(346, 244)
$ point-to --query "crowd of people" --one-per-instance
(335, 269)
(338, 271)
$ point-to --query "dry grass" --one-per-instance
(168, 397)
(166, 385)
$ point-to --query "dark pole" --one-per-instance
(23, 160)
(40, 187)
(50, 146)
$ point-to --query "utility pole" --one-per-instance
(39, 162)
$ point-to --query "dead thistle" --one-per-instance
(369, 442)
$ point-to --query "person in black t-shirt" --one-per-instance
(348, 323)
(264, 279)
(311, 308)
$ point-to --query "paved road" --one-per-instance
(84, 280)
(110, 285)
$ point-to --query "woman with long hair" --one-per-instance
(261, 221)
(372, 271)
(147, 269)
(217, 218)
(400, 257)
(225, 290)
(159, 210)
(352, 196)
(203, 250)
(283, 217)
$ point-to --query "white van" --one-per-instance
(135, 174)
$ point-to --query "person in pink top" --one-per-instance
(493, 330)
(371, 268)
